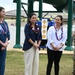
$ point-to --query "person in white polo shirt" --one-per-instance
(55, 45)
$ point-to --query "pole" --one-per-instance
(40, 8)
(69, 36)
(30, 7)
(18, 23)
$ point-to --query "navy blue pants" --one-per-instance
(53, 56)
(2, 61)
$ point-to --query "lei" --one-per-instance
(4, 28)
(61, 33)
(36, 28)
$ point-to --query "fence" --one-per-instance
(12, 29)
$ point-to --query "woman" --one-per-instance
(56, 40)
(4, 37)
(31, 45)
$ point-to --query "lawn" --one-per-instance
(15, 64)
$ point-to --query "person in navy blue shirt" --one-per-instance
(31, 45)
(4, 37)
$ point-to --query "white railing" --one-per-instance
(12, 41)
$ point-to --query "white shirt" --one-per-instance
(52, 38)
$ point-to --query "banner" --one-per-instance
(44, 29)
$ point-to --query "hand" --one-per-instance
(56, 48)
(5, 44)
(3, 48)
(74, 33)
(0, 41)
(36, 45)
(60, 47)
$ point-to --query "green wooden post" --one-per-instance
(70, 13)
(30, 7)
(40, 8)
(18, 23)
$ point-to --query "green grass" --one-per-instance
(15, 64)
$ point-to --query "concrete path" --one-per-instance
(41, 51)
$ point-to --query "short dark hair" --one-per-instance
(1, 8)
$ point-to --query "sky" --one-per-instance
(9, 5)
